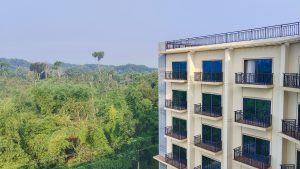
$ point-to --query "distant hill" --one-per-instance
(24, 64)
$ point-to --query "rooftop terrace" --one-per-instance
(277, 31)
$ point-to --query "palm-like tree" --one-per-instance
(98, 55)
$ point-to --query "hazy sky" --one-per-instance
(127, 30)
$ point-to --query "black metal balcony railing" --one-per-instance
(284, 30)
(291, 80)
(209, 166)
(244, 155)
(180, 135)
(176, 105)
(211, 111)
(178, 163)
(291, 128)
(264, 120)
(208, 77)
(198, 167)
(207, 144)
(176, 75)
(288, 166)
(254, 78)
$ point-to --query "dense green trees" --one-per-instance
(79, 122)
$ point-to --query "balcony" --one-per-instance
(288, 166)
(177, 106)
(198, 167)
(180, 136)
(209, 112)
(262, 122)
(242, 156)
(179, 77)
(261, 80)
(291, 81)
(277, 31)
(178, 163)
(208, 144)
(209, 78)
(170, 161)
(291, 129)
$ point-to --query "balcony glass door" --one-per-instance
(179, 126)
(179, 153)
(258, 70)
(211, 103)
(256, 148)
(212, 70)
(211, 134)
(208, 163)
(255, 109)
(179, 70)
(179, 98)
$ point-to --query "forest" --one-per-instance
(54, 117)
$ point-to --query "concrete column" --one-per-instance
(227, 110)
(278, 109)
(190, 110)
(161, 104)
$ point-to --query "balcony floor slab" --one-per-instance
(176, 81)
(291, 89)
(246, 165)
(207, 151)
(161, 159)
(209, 83)
(175, 139)
(177, 111)
(208, 117)
(255, 86)
(252, 127)
(289, 138)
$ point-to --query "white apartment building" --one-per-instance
(231, 100)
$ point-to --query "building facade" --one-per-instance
(231, 100)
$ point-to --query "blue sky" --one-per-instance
(127, 30)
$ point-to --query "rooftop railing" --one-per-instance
(284, 30)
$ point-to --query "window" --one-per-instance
(258, 66)
(208, 163)
(179, 153)
(211, 134)
(212, 66)
(179, 70)
(256, 109)
(256, 146)
(179, 96)
(211, 103)
(212, 71)
(179, 126)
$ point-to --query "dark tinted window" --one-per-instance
(179, 153)
(179, 125)
(179, 66)
(212, 66)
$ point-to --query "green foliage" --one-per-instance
(79, 122)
